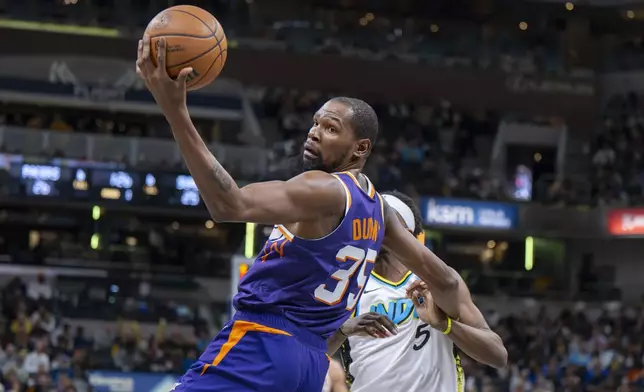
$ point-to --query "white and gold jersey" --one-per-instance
(417, 359)
(327, 383)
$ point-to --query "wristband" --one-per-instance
(342, 333)
(449, 326)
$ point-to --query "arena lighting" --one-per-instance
(630, 14)
(523, 26)
(249, 242)
(570, 6)
(110, 193)
(95, 241)
(96, 213)
(529, 254)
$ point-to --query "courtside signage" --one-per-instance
(472, 214)
(110, 381)
(626, 221)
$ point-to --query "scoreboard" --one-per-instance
(106, 183)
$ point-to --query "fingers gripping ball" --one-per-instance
(194, 38)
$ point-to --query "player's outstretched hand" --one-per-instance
(425, 306)
(169, 94)
(372, 324)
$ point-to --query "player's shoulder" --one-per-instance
(317, 180)
(316, 185)
(312, 175)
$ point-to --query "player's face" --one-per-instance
(330, 144)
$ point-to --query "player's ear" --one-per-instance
(363, 148)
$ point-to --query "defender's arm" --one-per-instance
(441, 280)
(371, 323)
(306, 197)
(335, 342)
(471, 332)
(338, 377)
(473, 335)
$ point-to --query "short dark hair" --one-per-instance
(418, 221)
(364, 120)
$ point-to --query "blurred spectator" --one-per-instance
(58, 124)
(40, 289)
(618, 163)
(37, 361)
(21, 327)
(43, 321)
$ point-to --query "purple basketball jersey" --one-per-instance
(316, 283)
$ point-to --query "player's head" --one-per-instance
(408, 214)
(407, 211)
(343, 133)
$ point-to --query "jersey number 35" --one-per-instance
(359, 258)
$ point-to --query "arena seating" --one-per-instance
(570, 347)
(145, 301)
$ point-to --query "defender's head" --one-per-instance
(408, 215)
(407, 211)
(343, 133)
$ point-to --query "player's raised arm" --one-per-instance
(441, 280)
(306, 197)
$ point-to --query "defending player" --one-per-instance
(417, 338)
(335, 378)
(329, 226)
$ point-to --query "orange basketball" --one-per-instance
(194, 38)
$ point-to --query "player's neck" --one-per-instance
(390, 268)
(357, 173)
(354, 168)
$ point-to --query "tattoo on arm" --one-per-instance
(221, 177)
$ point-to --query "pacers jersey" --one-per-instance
(316, 283)
(327, 383)
(417, 359)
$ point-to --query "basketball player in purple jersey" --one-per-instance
(330, 224)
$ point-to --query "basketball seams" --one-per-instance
(194, 58)
(221, 53)
(217, 44)
(220, 58)
(196, 17)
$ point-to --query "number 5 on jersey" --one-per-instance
(359, 258)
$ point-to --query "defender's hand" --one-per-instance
(372, 324)
(425, 306)
(170, 94)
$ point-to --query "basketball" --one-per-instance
(194, 38)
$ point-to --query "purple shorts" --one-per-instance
(259, 352)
